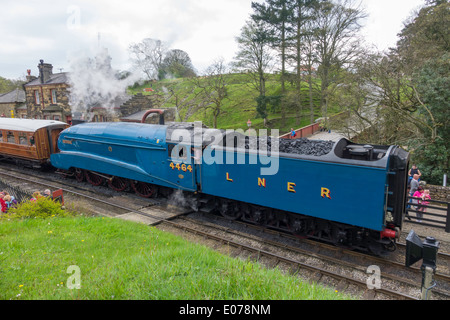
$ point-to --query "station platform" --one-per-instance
(325, 135)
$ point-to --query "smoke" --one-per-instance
(93, 83)
(179, 199)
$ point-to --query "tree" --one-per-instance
(423, 53)
(433, 89)
(256, 59)
(426, 36)
(277, 15)
(302, 15)
(213, 88)
(148, 56)
(309, 62)
(177, 64)
(7, 85)
(337, 25)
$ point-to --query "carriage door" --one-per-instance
(54, 134)
(181, 168)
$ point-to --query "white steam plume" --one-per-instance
(93, 83)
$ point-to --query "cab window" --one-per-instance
(177, 152)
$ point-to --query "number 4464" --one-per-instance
(181, 167)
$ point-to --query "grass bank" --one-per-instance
(115, 259)
(240, 104)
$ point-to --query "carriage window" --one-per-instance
(10, 137)
(23, 138)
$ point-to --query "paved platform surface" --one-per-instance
(155, 214)
(325, 135)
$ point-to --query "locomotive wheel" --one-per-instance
(143, 189)
(256, 215)
(118, 184)
(94, 179)
(229, 209)
(79, 175)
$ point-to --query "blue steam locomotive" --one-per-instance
(347, 194)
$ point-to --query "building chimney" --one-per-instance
(29, 76)
(45, 71)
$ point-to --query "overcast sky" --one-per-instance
(57, 31)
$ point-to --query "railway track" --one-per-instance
(319, 262)
(394, 276)
(343, 276)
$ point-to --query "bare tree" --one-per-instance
(213, 88)
(337, 26)
(148, 56)
(309, 63)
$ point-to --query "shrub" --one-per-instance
(41, 208)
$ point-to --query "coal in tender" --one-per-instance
(292, 146)
(306, 146)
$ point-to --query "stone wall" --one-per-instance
(5, 108)
(138, 103)
(439, 193)
(61, 106)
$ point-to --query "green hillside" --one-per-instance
(238, 107)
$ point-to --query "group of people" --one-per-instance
(6, 201)
(37, 194)
(419, 194)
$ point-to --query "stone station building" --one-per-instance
(48, 97)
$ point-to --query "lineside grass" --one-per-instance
(45, 258)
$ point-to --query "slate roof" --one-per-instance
(16, 95)
(54, 79)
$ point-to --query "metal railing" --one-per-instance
(428, 215)
(302, 132)
(19, 194)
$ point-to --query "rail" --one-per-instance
(419, 213)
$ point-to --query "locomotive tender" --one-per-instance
(351, 195)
